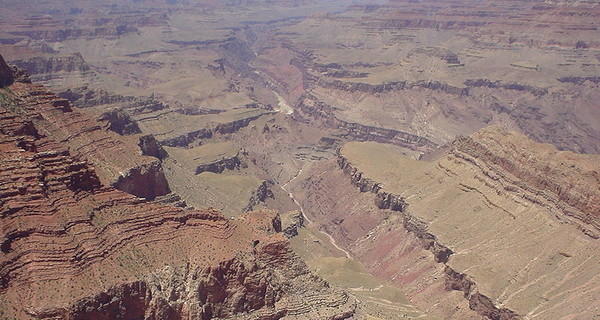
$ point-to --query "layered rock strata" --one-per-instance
(73, 248)
(316, 112)
(90, 140)
(47, 66)
(534, 204)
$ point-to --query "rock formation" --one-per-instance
(475, 209)
(41, 65)
(6, 77)
(87, 138)
(227, 105)
(73, 248)
(120, 122)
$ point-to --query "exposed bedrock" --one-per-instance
(56, 35)
(120, 122)
(245, 287)
(440, 53)
(206, 133)
(291, 222)
(536, 91)
(259, 195)
(540, 203)
(75, 249)
(313, 111)
(43, 65)
(150, 147)
(391, 86)
(379, 239)
(6, 76)
(580, 80)
(188, 138)
(383, 200)
(145, 181)
(84, 97)
(87, 138)
(548, 175)
(419, 229)
(220, 165)
(477, 302)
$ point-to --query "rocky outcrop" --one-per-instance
(579, 80)
(419, 229)
(219, 165)
(188, 138)
(562, 178)
(233, 126)
(245, 287)
(206, 133)
(72, 248)
(62, 34)
(171, 199)
(292, 222)
(345, 74)
(150, 147)
(478, 302)
(508, 86)
(53, 64)
(259, 195)
(392, 86)
(6, 76)
(145, 181)
(383, 200)
(440, 53)
(84, 97)
(120, 122)
(493, 182)
(316, 112)
(88, 139)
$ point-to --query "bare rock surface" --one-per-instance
(6, 76)
(513, 221)
(74, 248)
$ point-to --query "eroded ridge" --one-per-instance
(513, 221)
(88, 139)
(538, 172)
(73, 248)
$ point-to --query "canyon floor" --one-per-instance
(285, 159)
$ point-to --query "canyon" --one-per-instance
(313, 159)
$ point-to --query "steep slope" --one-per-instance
(438, 69)
(6, 77)
(73, 248)
(512, 223)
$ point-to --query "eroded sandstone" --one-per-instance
(74, 248)
(499, 183)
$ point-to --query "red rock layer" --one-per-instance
(72, 248)
(568, 180)
(378, 238)
(117, 159)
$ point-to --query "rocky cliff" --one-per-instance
(90, 139)
(312, 111)
(42, 65)
(509, 224)
(501, 182)
(6, 77)
(539, 172)
(74, 248)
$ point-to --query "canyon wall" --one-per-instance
(74, 248)
(6, 77)
(510, 223)
(88, 139)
